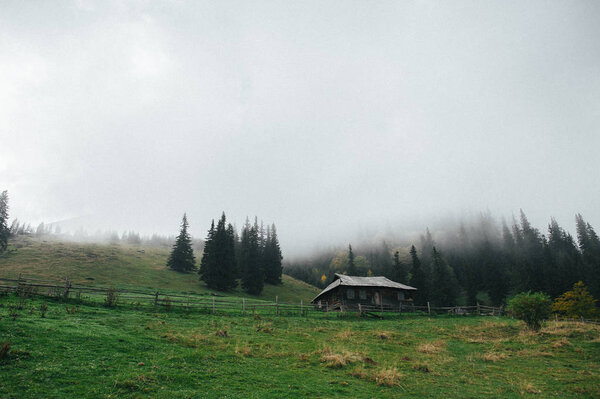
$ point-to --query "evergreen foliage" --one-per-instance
(490, 260)
(444, 287)
(419, 279)
(4, 228)
(253, 276)
(182, 258)
(399, 272)
(352, 270)
(218, 268)
(272, 257)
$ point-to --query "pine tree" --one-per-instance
(252, 271)
(352, 270)
(208, 265)
(444, 290)
(399, 269)
(4, 229)
(589, 244)
(218, 268)
(418, 279)
(272, 257)
(182, 256)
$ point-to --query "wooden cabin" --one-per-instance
(348, 292)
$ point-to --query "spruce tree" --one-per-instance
(444, 289)
(352, 270)
(399, 269)
(218, 268)
(182, 255)
(418, 279)
(208, 267)
(252, 271)
(272, 257)
(4, 229)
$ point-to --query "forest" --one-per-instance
(477, 261)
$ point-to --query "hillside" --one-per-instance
(122, 266)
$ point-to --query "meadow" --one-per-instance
(80, 350)
(124, 266)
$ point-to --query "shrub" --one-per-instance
(112, 297)
(576, 303)
(533, 309)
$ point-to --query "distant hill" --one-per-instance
(122, 266)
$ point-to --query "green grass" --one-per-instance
(123, 266)
(95, 352)
(84, 350)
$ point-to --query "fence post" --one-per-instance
(478, 309)
(213, 298)
(301, 307)
(156, 299)
(243, 306)
(277, 305)
(326, 306)
(18, 290)
(381, 306)
(67, 287)
(428, 308)
(359, 310)
(187, 304)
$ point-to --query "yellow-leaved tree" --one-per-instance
(576, 303)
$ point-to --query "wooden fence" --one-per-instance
(210, 303)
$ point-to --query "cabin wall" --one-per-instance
(351, 297)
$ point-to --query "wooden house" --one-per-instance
(352, 292)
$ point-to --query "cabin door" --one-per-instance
(377, 298)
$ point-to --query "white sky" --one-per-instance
(323, 117)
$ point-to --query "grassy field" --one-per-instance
(122, 266)
(86, 351)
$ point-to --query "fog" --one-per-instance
(337, 121)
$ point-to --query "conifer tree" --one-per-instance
(272, 257)
(218, 268)
(352, 270)
(252, 271)
(444, 290)
(208, 268)
(182, 255)
(418, 279)
(4, 229)
(399, 269)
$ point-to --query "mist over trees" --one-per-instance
(478, 261)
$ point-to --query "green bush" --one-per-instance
(533, 309)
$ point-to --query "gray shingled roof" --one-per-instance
(355, 281)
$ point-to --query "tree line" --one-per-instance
(482, 261)
(254, 258)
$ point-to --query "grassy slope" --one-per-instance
(126, 353)
(122, 266)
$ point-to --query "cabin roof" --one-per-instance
(356, 281)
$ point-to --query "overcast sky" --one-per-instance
(325, 117)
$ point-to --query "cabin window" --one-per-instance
(362, 294)
(400, 296)
(350, 294)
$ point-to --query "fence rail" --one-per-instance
(67, 289)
